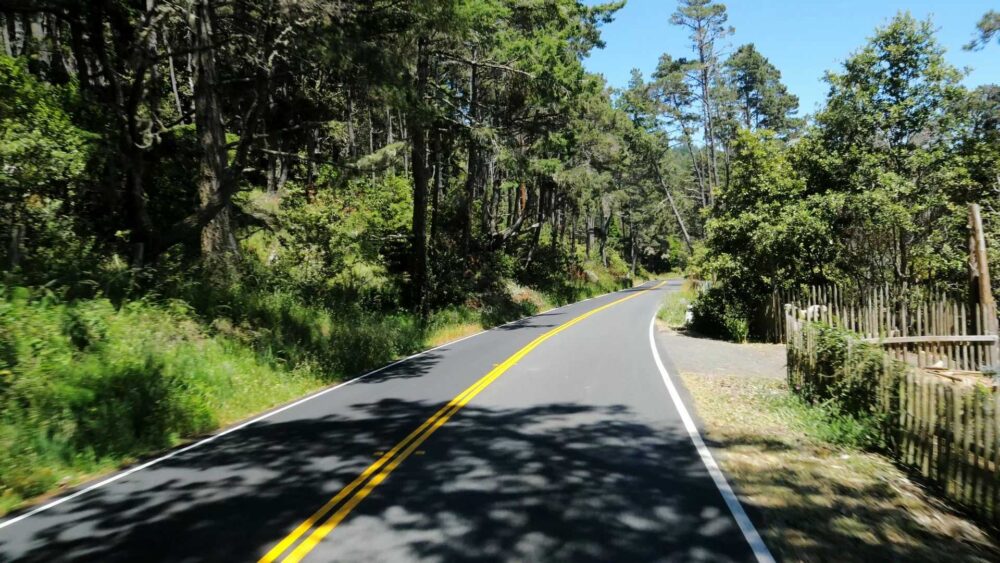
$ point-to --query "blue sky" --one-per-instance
(803, 38)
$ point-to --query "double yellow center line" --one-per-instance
(362, 486)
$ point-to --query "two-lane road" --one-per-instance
(556, 438)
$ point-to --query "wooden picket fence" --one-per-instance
(919, 327)
(946, 429)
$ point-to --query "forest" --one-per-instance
(210, 207)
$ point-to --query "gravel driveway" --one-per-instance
(705, 356)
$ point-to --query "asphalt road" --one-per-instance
(574, 452)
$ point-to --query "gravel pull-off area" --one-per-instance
(704, 356)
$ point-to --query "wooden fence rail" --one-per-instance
(934, 330)
(947, 431)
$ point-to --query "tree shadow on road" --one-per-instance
(551, 482)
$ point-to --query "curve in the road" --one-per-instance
(375, 473)
(572, 455)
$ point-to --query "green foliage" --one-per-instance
(676, 259)
(988, 27)
(829, 423)
(43, 160)
(874, 193)
(342, 242)
(716, 314)
(763, 232)
(40, 147)
(841, 379)
(764, 101)
(86, 385)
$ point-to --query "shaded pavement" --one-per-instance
(575, 453)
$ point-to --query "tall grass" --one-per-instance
(88, 384)
(85, 385)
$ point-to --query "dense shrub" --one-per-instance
(844, 379)
(717, 315)
(84, 384)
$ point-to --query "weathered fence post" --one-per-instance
(980, 289)
(979, 270)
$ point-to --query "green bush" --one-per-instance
(718, 316)
(843, 380)
(88, 385)
(844, 370)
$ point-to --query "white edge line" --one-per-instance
(760, 550)
(213, 437)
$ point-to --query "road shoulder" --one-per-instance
(812, 500)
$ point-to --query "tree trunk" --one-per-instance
(419, 149)
(706, 100)
(388, 141)
(351, 152)
(438, 183)
(554, 221)
(631, 244)
(403, 128)
(17, 33)
(673, 207)
(5, 35)
(472, 175)
(310, 166)
(14, 250)
(216, 236)
(511, 207)
(59, 69)
(979, 269)
(537, 226)
(572, 234)
(747, 111)
(702, 188)
(713, 173)
(490, 219)
(79, 54)
(606, 225)
(388, 126)
(590, 234)
(469, 196)
(173, 79)
(371, 131)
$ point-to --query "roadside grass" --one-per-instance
(449, 333)
(820, 496)
(675, 305)
(86, 387)
(90, 385)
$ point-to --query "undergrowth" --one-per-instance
(87, 385)
(830, 423)
(90, 383)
